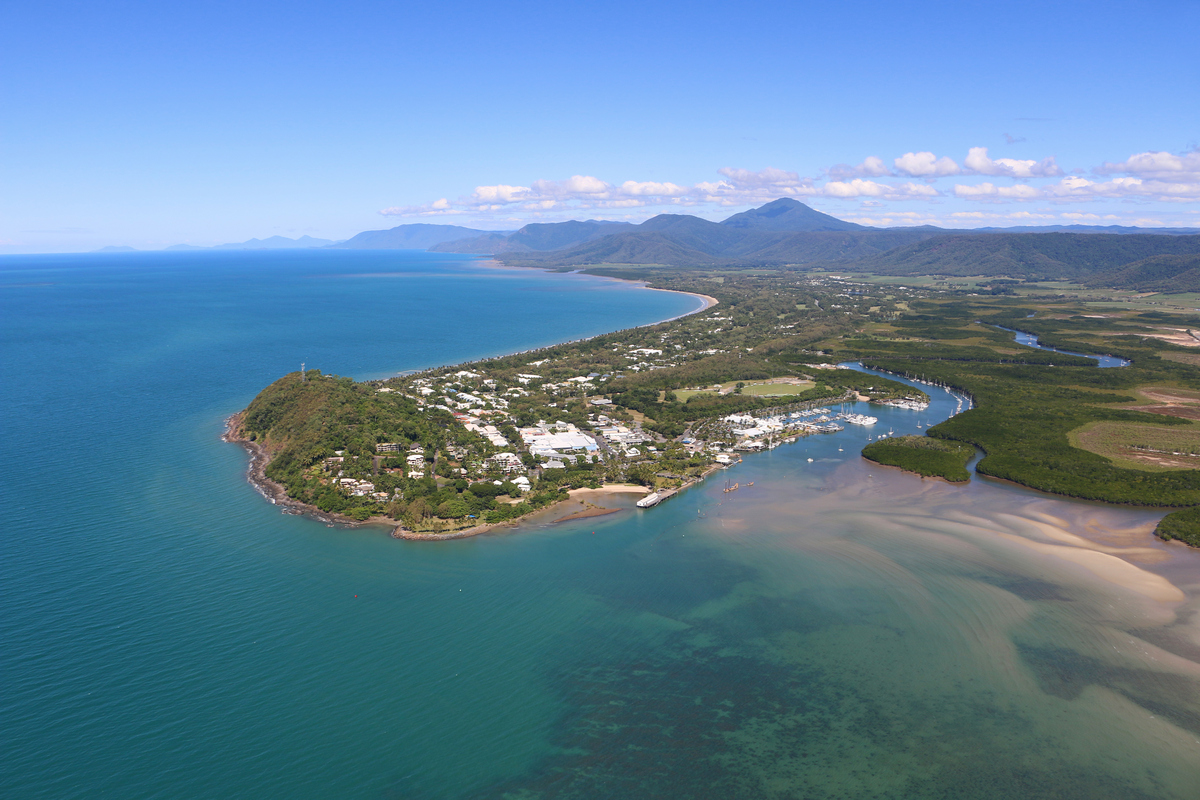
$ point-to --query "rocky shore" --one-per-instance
(276, 493)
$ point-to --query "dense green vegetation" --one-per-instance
(325, 428)
(788, 233)
(1183, 525)
(660, 381)
(1033, 256)
(1164, 273)
(924, 456)
(1024, 411)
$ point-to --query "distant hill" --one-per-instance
(838, 246)
(270, 243)
(487, 244)
(649, 247)
(116, 248)
(534, 236)
(417, 236)
(1035, 256)
(689, 241)
(786, 232)
(1165, 273)
(1124, 229)
(737, 237)
(787, 214)
(698, 234)
(557, 235)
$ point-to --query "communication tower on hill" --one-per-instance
(303, 374)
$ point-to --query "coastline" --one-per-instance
(708, 300)
(256, 476)
(277, 494)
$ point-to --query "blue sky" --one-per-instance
(150, 124)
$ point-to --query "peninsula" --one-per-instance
(453, 450)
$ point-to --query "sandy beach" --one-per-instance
(610, 488)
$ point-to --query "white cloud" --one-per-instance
(926, 165)
(1081, 216)
(575, 186)
(738, 187)
(978, 161)
(1150, 176)
(990, 191)
(651, 189)
(863, 188)
(438, 208)
(501, 193)
(893, 219)
(769, 178)
(871, 167)
(1010, 216)
(1160, 165)
(1073, 187)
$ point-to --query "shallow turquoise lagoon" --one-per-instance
(837, 630)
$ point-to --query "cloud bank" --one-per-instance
(1151, 176)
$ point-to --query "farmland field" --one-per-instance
(758, 389)
(1134, 445)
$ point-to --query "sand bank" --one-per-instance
(610, 488)
(595, 511)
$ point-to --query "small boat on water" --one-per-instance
(649, 500)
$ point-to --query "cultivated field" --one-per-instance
(779, 387)
(1135, 445)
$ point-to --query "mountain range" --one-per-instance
(787, 233)
(270, 243)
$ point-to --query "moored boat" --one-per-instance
(649, 500)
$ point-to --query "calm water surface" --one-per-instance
(836, 630)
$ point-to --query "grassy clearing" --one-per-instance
(1170, 394)
(1191, 359)
(1134, 445)
(683, 394)
(757, 389)
(775, 389)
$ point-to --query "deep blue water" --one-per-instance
(836, 630)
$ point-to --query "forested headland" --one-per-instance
(418, 449)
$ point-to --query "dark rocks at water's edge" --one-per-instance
(277, 494)
(272, 491)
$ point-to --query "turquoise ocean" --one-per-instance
(836, 630)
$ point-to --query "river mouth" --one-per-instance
(841, 629)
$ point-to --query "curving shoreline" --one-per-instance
(256, 476)
(259, 457)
